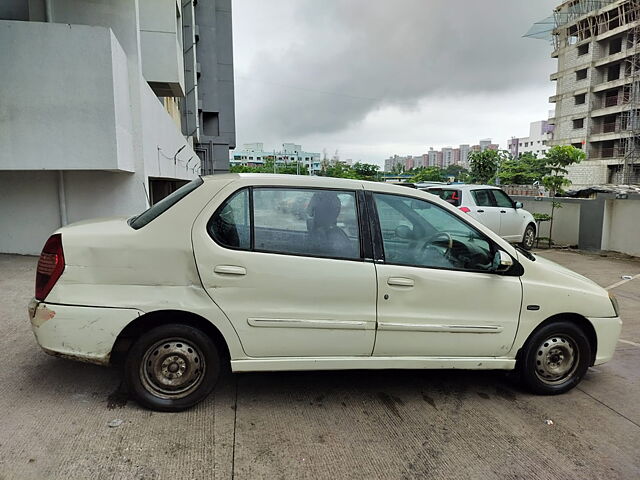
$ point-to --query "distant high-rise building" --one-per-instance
(464, 155)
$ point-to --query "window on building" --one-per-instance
(581, 74)
(580, 99)
(615, 46)
(583, 49)
(613, 72)
(578, 123)
(210, 123)
(577, 145)
(544, 142)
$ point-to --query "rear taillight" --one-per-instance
(465, 209)
(50, 266)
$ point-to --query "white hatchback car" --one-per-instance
(357, 275)
(492, 207)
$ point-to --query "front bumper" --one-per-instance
(80, 333)
(607, 333)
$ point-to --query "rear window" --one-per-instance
(165, 204)
(453, 196)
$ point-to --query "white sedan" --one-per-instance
(359, 275)
(492, 207)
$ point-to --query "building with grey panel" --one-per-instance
(107, 106)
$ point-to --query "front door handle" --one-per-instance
(480, 211)
(400, 281)
(503, 211)
(230, 270)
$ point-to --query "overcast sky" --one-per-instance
(373, 78)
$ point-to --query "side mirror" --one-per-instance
(519, 205)
(502, 262)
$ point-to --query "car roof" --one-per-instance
(462, 187)
(307, 181)
(311, 181)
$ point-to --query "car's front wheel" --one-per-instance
(555, 358)
(529, 237)
(172, 367)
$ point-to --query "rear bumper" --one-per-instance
(607, 333)
(80, 333)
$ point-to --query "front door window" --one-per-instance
(418, 233)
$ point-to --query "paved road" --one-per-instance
(360, 425)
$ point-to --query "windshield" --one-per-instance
(165, 204)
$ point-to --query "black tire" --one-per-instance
(171, 368)
(555, 358)
(529, 237)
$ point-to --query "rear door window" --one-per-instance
(322, 223)
(296, 221)
(454, 197)
(230, 226)
(483, 198)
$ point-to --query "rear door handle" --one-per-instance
(230, 270)
(480, 211)
(503, 211)
(400, 281)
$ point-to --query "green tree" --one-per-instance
(427, 174)
(339, 170)
(366, 171)
(457, 171)
(484, 165)
(268, 167)
(397, 169)
(524, 170)
(558, 158)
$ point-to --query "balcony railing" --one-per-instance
(605, 102)
(609, 127)
(606, 152)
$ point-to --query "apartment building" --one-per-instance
(254, 155)
(597, 98)
(538, 141)
(107, 106)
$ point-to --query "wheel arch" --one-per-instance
(164, 317)
(579, 320)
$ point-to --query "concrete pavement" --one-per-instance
(334, 425)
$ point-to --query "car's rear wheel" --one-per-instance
(529, 237)
(555, 358)
(172, 367)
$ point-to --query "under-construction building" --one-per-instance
(597, 44)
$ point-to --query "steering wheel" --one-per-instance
(431, 240)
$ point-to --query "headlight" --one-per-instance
(614, 302)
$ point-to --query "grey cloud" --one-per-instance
(347, 58)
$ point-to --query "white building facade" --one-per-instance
(254, 154)
(98, 115)
(538, 141)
